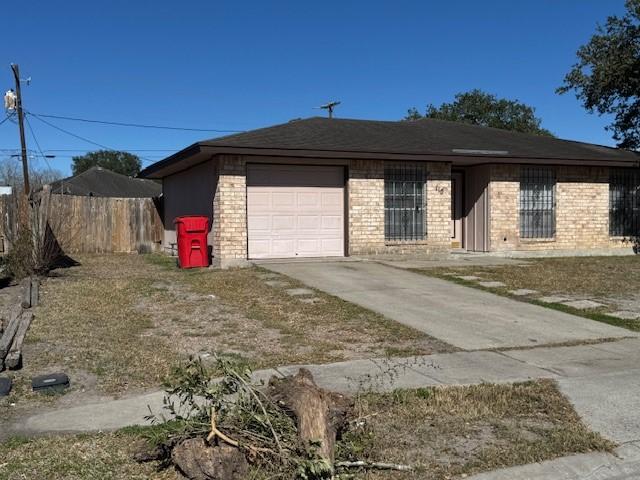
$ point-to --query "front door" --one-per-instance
(456, 210)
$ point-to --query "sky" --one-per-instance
(240, 65)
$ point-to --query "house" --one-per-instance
(334, 187)
(100, 182)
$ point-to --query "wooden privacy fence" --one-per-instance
(83, 224)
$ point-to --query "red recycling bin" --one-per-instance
(193, 250)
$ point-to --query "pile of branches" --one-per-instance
(221, 429)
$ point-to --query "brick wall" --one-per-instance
(504, 198)
(366, 210)
(230, 212)
(439, 206)
(366, 206)
(582, 210)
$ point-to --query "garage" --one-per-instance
(295, 211)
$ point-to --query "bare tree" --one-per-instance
(11, 174)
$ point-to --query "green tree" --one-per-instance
(606, 78)
(481, 108)
(120, 162)
(413, 114)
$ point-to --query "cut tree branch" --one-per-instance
(264, 410)
(217, 433)
(374, 465)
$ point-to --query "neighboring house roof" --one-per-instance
(100, 182)
(425, 137)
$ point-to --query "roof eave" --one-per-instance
(201, 152)
(154, 171)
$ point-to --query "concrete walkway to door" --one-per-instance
(467, 318)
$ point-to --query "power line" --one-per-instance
(6, 118)
(73, 152)
(69, 133)
(35, 139)
(33, 152)
(30, 151)
(80, 137)
(137, 125)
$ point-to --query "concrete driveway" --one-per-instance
(461, 316)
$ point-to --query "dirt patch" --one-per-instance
(451, 431)
(201, 324)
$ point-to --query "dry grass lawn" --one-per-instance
(580, 276)
(442, 432)
(88, 326)
(612, 280)
(450, 431)
(105, 456)
(117, 323)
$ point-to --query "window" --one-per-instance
(404, 202)
(624, 202)
(537, 202)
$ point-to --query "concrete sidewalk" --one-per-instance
(609, 364)
(602, 381)
(346, 377)
(465, 317)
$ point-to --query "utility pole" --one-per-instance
(23, 142)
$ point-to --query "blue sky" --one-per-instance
(239, 65)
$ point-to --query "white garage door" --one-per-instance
(295, 211)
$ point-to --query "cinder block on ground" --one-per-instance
(309, 299)
(268, 276)
(553, 299)
(583, 304)
(295, 292)
(522, 292)
(625, 315)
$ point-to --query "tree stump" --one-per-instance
(320, 415)
(199, 461)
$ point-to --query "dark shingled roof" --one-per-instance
(99, 182)
(426, 136)
(420, 137)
